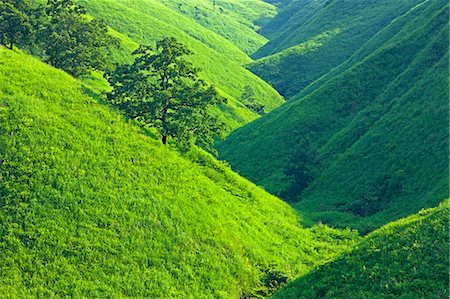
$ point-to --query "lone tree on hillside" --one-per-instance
(162, 89)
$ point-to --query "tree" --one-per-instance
(72, 41)
(15, 24)
(162, 89)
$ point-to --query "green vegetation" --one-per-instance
(289, 71)
(237, 21)
(162, 90)
(248, 97)
(71, 41)
(378, 124)
(405, 259)
(94, 206)
(59, 32)
(222, 62)
(15, 23)
(311, 37)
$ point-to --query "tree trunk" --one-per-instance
(164, 139)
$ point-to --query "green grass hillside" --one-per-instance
(310, 38)
(237, 21)
(146, 21)
(379, 128)
(405, 259)
(92, 206)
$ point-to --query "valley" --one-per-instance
(330, 181)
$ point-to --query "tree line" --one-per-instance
(57, 31)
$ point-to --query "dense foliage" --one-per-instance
(301, 168)
(248, 98)
(378, 124)
(93, 206)
(72, 41)
(163, 90)
(59, 32)
(405, 259)
(16, 26)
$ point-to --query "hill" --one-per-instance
(222, 62)
(237, 21)
(370, 139)
(310, 38)
(405, 259)
(93, 206)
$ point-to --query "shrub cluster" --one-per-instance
(57, 31)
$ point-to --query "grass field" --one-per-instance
(93, 206)
(404, 259)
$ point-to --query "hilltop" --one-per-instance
(375, 130)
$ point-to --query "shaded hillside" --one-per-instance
(378, 129)
(91, 206)
(146, 21)
(309, 38)
(405, 259)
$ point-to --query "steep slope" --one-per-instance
(145, 21)
(92, 206)
(378, 128)
(279, 3)
(237, 21)
(405, 259)
(309, 38)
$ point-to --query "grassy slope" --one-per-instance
(279, 3)
(360, 123)
(308, 40)
(145, 21)
(405, 259)
(239, 21)
(91, 206)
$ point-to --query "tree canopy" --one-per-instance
(15, 23)
(162, 88)
(72, 41)
(59, 31)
